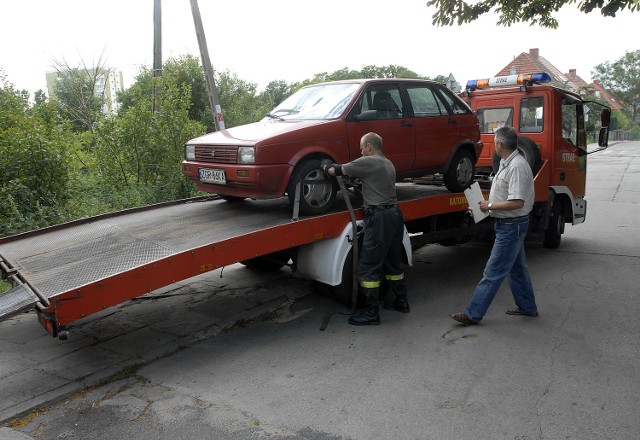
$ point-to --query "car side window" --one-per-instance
(457, 105)
(385, 100)
(424, 102)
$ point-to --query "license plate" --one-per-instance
(209, 175)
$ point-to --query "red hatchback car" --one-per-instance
(426, 129)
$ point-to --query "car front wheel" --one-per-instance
(317, 191)
(461, 173)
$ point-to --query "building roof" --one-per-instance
(532, 62)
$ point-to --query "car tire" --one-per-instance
(529, 151)
(461, 172)
(315, 198)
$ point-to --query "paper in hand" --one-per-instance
(474, 197)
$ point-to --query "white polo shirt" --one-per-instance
(513, 181)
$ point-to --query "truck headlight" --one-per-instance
(246, 155)
(190, 152)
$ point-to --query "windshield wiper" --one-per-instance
(272, 116)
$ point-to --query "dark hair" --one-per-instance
(508, 137)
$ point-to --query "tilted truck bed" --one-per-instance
(73, 270)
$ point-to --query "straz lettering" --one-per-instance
(568, 157)
(457, 201)
(501, 80)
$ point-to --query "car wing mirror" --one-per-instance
(367, 115)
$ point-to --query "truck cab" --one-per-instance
(552, 136)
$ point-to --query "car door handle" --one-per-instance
(406, 124)
(452, 121)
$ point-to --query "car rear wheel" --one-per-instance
(317, 191)
(461, 173)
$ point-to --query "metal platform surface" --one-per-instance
(66, 257)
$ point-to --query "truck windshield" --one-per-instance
(322, 101)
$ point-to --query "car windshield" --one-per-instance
(322, 101)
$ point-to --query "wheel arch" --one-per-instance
(464, 145)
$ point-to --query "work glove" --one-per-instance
(324, 163)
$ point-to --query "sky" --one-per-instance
(261, 41)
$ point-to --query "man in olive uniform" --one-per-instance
(383, 231)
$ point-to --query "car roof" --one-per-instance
(369, 80)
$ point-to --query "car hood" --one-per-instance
(252, 134)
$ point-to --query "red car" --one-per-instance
(426, 129)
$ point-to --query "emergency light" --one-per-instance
(510, 80)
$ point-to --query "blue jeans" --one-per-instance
(507, 260)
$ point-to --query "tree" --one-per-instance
(536, 12)
(34, 159)
(622, 78)
(80, 92)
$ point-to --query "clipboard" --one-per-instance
(474, 197)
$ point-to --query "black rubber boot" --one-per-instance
(400, 303)
(370, 315)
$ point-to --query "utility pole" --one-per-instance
(157, 47)
(208, 70)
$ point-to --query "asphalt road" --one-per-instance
(571, 373)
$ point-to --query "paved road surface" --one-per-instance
(241, 357)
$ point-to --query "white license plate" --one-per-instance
(209, 175)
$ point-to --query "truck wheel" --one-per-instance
(529, 151)
(317, 192)
(555, 229)
(461, 173)
(267, 263)
(343, 291)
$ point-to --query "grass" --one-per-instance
(4, 286)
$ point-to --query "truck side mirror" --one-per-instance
(605, 117)
(603, 137)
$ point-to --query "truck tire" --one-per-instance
(462, 171)
(555, 228)
(529, 151)
(315, 198)
(267, 263)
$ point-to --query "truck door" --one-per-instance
(389, 119)
(569, 158)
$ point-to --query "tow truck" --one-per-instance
(552, 136)
(70, 271)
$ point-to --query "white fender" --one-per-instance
(323, 260)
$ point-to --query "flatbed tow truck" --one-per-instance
(70, 271)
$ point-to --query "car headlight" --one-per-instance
(190, 152)
(246, 155)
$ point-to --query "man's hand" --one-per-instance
(324, 163)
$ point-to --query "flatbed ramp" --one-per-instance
(72, 270)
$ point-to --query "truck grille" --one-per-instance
(216, 154)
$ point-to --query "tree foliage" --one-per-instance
(34, 159)
(536, 12)
(622, 78)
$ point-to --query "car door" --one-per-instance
(386, 116)
(436, 129)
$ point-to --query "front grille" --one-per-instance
(216, 154)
